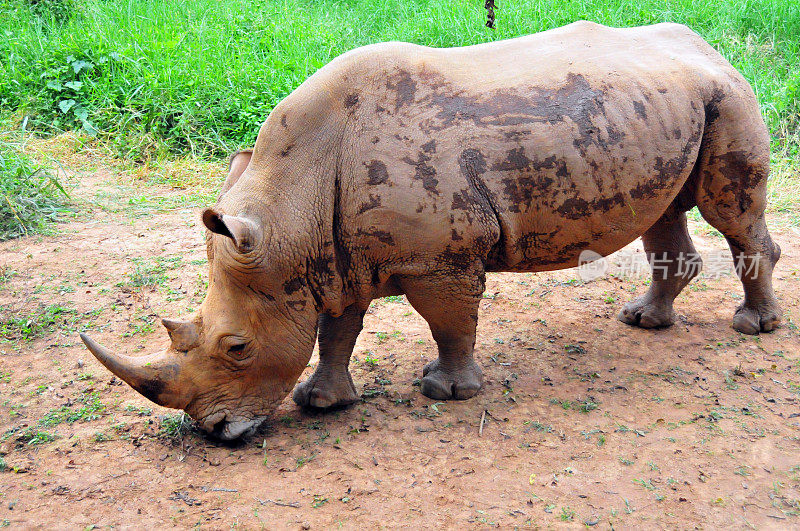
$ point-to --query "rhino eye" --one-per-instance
(238, 351)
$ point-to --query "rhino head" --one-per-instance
(246, 346)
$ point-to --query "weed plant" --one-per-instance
(30, 198)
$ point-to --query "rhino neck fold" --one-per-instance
(299, 221)
(294, 182)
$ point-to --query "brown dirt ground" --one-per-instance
(588, 421)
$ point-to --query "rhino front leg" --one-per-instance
(451, 309)
(674, 262)
(331, 384)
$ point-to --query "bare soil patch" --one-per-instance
(587, 421)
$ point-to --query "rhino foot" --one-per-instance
(458, 384)
(749, 320)
(648, 312)
(326, 390)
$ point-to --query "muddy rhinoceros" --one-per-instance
(400, 169)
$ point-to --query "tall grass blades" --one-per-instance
(200, 76)
(30, 198)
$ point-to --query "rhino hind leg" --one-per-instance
(732, 196)
(754, 259)
(754, 256)
(331, 384)
(674, 263)
(441, 381)
(450, 306)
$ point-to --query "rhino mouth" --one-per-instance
(227, 427)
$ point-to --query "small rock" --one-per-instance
(305, 525)
(594, 520)
(79, 364)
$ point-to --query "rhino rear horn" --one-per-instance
(183, 334)
(241, 230)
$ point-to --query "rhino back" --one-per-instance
(516, 154)
(525, 152)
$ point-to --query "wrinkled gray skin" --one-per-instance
(400, 169)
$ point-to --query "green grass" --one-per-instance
(30, 198)
(39, 322)
(153, 77)
(538, 426)
(29, 436)
(89, 408)
(6, 274)
(151, 273)
(567, 514)
(144, 204)
(175, 426)
(584, 406)
(33, 437)
(138, 410)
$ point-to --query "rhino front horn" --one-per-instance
(153, 376)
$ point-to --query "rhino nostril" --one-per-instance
(219, 426)
(210, 422)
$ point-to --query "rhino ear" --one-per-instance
(236, 166)
(244, 232)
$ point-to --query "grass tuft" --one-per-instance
(175, 426)
(30, 198)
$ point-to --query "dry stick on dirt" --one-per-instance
(489, 5)
(483, 419)
(279, 503)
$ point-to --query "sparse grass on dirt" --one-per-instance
(582, 420)
(152, 273)
(87, 408)
(27, 326)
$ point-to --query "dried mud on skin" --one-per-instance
(586, 421)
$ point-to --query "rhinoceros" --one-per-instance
(402, 169)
